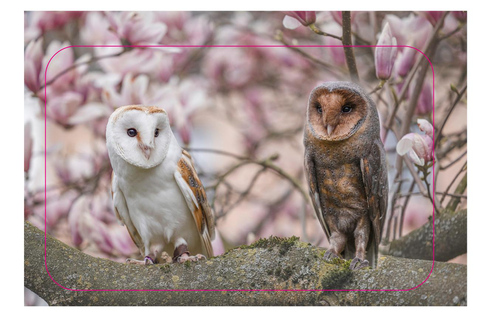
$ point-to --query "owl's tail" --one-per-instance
(372, 252)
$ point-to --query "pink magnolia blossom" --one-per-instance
(399, 88)
(385, 53)
(229, 69)
(217, 245)
(33, 64)
(133, 91)
(418, 147)
(425, 101)
(27, 146)
(183, 28)
(61, 107)
(73, 168)
(121, 240)
(294, 19)
(425, 127)
(136, 28)
(84, 226)
(135, 62)
(432, 16)
(175, 20)
(90, 220)
(405, 61)
(60, 62)
(96, 30)
(181, 99)
(38, 22)
(58, 205)
(461, 16)
(410, 30)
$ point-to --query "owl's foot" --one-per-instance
(358, 264)
(187, 257)
(145, 261)
(330, 255)
(165, 256)
(182, 255)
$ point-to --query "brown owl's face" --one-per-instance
(336, 115)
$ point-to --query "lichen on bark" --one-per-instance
(273, 271)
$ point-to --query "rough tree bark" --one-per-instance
(269, 264)
(450, 239)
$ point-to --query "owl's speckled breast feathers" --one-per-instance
(346, 168)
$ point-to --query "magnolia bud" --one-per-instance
(385, 54)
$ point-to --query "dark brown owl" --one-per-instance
(346, 170)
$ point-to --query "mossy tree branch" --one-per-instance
(270, 264)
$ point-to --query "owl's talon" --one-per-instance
(358, 264)
(135, 261)
(145, 262)
(186, 257)
(165, 256)
(149, 260)
(330, 255)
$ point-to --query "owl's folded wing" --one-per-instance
(123, 215)
(196, 198)
(314, 193)
(375, 180)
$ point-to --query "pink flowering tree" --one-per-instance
(240, 112)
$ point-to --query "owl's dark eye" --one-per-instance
(319, 108)
(157, 132)
(131, 132)
(347, 108)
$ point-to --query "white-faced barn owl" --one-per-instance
(156, 192)
(346, 170)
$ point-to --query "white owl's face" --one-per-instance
(140, 135)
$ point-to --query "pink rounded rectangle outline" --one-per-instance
(242, 46)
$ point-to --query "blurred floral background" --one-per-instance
(239, 111)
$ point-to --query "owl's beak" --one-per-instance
(330, 129)
(146, 150)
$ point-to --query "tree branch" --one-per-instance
(450, 239)
(347, 46)
(244, 276)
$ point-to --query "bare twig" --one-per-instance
(454, 201)
(448, 35)
(454, 195)
(454, 161)
(320, 32)
(267, 163)
(439, 131)
(326, 66)
(78, 64)
(464, 168)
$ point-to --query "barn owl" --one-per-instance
(156, 191)
(346, 170)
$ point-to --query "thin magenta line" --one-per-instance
(239, 46)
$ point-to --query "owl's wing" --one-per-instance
(375, 180)
(196, 198)
(123, 215)
(314, 192)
